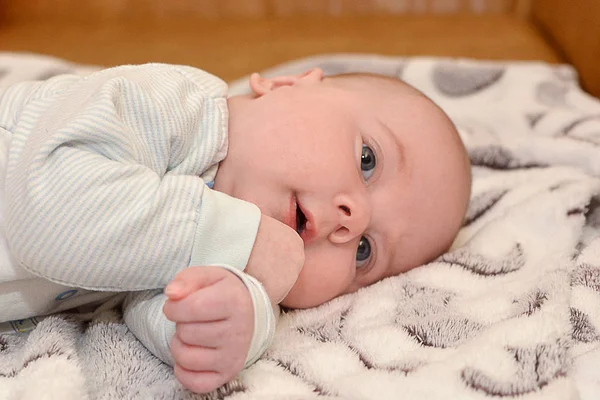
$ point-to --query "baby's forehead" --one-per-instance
(389, 93)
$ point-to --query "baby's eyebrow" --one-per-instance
(398, 146)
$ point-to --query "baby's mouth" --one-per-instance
(300, 220)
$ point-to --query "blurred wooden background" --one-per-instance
(218, 9)
(234, 37)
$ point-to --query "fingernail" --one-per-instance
(173, 288)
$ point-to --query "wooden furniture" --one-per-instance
(234, 37)
(573, 28)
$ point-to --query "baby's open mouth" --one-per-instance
(300, 219)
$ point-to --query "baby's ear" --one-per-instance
(261, 86)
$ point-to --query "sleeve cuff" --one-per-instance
(226, 231)
(142, 312)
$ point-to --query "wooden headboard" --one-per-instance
(245, 9)
(574, 27)
(239, 32)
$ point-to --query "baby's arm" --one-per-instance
(144, 317)
(103, 189)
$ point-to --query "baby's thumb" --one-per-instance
(176, 290)
(192, 279)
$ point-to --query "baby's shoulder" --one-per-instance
(206, 82)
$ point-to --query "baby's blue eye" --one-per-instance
(367, 162)
(363, 252)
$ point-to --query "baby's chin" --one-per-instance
(298, 304)
(301, 299)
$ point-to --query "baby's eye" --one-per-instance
(367, 162)
(363, 252)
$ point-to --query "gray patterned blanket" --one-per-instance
(512, 311)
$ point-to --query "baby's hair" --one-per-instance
(384, 79)
(372, 76)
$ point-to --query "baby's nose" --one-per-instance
(352, 215)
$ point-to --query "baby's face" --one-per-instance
(369, 172)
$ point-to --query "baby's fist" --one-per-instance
(214, 319)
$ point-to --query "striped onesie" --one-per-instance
(105, 189)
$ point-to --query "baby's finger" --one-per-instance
(212, 303)
(207, 334)
(192, 279)
(199, 382)
(196, 358)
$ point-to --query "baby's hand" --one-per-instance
(276, 258)
(214, 319)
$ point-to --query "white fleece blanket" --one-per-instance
(513, 311)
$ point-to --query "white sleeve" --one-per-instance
(143, 315)
(103, 187)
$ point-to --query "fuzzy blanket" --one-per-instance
(512, 311)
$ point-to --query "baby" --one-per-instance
(138, 178)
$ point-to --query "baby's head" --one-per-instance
(378, 173)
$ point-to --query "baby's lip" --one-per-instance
(308, 233)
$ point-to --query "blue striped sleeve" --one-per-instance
(103, 187)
